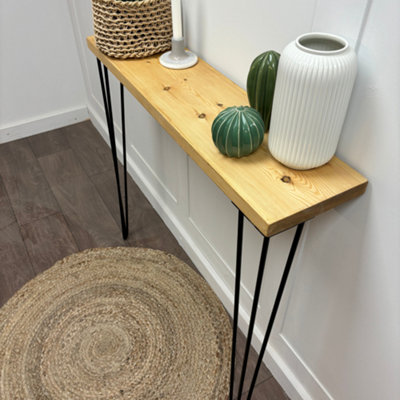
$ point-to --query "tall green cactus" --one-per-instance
(261, 84)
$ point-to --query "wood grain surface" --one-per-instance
(48, 240)
(7, 216)
(25, 183)
(185, 103)
(15, 265)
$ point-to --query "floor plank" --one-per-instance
(147, 229)
(90, 148)
(61, 166)
(48, 240)
(7, 216)
(48, 143)
(15, 266)
(87, 216)
(27, 188)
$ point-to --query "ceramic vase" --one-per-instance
(314, 83)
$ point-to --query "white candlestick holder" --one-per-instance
(178, 57)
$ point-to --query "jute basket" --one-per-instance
(132, 29)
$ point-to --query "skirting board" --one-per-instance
(42, 123)
(282, 372)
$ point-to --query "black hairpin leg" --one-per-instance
(255, 305)
(236, 299)
(256, 298)
(278, 297)
(105, 89)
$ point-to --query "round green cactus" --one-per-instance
(261, 84)
(238, 131)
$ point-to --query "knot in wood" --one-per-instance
(202, 115)
(167, 88)
(286, 179)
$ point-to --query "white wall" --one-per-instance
(337, 335)
(41, 85)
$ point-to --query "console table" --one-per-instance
(271, 196)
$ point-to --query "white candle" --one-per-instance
(176, 19)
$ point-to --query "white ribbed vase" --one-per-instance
(315, 78)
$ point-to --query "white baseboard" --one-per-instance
(298, 374)
(42, 123)
(281, 371)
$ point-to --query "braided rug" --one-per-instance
(115, 323)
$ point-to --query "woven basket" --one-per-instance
(132, 29)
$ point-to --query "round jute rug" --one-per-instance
(115, 323)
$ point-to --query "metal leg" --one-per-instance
(126, 225)
(256, 297)
(276, 305)
(105, 89)
(236, 299)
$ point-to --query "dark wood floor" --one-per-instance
(58, 196)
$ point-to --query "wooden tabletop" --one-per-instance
(185, 103)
